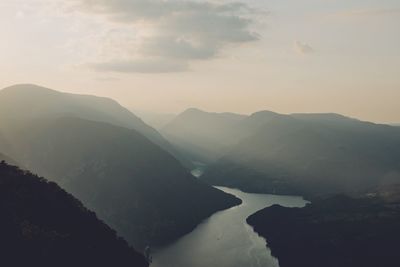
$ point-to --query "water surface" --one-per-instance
(225, 239)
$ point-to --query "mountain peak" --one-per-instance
(264, 113)
(27, 88)
(193, 110)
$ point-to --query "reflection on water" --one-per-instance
(225, 239)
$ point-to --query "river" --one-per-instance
(225, 239)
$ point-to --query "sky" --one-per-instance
(239, 56)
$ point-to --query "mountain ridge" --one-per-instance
(339, 230)
(111, 169)
(302, 153)
(22, 102)
(42, 225)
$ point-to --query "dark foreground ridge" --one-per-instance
(337, 231)
(42, 225)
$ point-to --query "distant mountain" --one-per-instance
(203, 136)
(246, 127)
(23, 102)
(290, 154)
(154, 119)
(132, 184)
(42, 225)
(335, 231)
(310, 154)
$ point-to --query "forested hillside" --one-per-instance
(42, 225)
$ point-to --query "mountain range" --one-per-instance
(24, 102)
(139, 180)
(303, 154)
(90, 148)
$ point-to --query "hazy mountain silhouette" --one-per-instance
(132, 184)
(298, 153)
(309, 154)
(42, 225)
(335, 231)
(206, 136)
(23, 102)
(250, 124)
(154, 119)
(202, 136)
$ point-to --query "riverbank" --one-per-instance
(225, 239)
(337, 231)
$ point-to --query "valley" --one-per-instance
(199, 133)
(187, 195)
(106, 157)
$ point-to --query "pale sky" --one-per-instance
(167, 55)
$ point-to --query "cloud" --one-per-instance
(369, 12)
(107, 79)
(140, 66)
(20, 15)
(303, 48)
(171, 33)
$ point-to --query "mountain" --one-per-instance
(310, 154)
(246, 127)
(154, 119)
(202, 136)
(132, 184)
(23, 102)
(335, 231)
(42, 225)
(206, 136)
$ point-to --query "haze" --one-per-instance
(165, 56)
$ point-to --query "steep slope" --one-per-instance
(135, 186)
(336, 231)
(201, 135)
(23, 102)
(311, 154)
(42, 225)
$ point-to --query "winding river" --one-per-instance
(225, 239)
